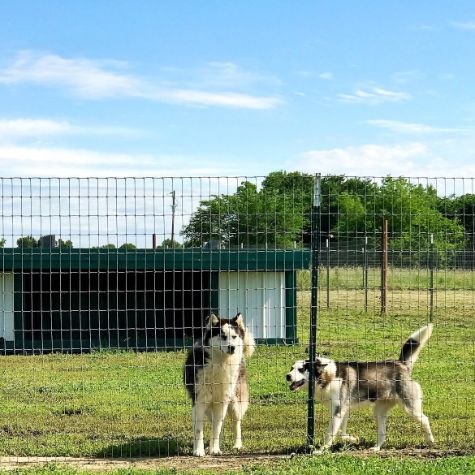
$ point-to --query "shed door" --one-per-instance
(259, 296)
(6, 307)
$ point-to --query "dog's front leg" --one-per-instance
(344, 434)
(336, 419)
(198, 415)
(218, 415)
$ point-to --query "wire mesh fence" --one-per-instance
(107, 285)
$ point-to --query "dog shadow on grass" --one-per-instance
(147, 447)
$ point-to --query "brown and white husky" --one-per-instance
(215, 378)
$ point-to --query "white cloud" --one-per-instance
(424, 28)
(373, 96)
(327, 76)
(64, 162)
(91, 79)
(411, 127)
(12, 130)
(463, 25)
(413, 159)
(228, 74)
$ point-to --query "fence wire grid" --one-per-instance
(107, 283)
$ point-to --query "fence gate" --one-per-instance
(106, 284)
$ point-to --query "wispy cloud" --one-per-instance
(404, 77)
(68, 162)
(423, 27)
(413, 159)
(326, 75)
(93, 80)
(14, 129)
(463, 25)
(373, 96)
(411, 127)
(226, 74)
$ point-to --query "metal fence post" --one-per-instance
(365, 273)
(313, 312)
(327, 244)
(431, 278)
(384, 267)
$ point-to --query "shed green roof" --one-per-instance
(25, 260)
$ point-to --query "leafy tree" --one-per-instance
(105, 246)
(127, 245)
(169, 244)
(279, 214)
(412, 211)
(27, 242)
(249, 217)
(2, 242)
(65, 244)
(462, 210)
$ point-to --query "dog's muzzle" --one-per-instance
(296, 385)
(231, 350)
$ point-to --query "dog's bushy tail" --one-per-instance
(249, 344)
(414, 344)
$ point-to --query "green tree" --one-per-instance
(127, 245)
(27, 242)
(65, 244)
(169, 244)
(462, 210)
(352, 209)
(249, 217)
(414, 219)
(2, 242)
(105, 246)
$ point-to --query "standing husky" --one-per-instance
(215, 378)
(340, 386)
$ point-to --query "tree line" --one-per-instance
(278, 214)
(29, 242)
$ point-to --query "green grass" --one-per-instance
(351, 278)
(126, 404)
(326, 465)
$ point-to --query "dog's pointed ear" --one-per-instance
(239, 320)
(212, 320)
(320, 363)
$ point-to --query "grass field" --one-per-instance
(117, 404)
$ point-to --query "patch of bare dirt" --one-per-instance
(218, 464)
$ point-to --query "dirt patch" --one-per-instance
(178, 463)
(219, 464)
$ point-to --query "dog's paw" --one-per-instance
(199, 452)
(321, 450)
(376, 448)
(350, 439)
(237, 446)
(215, 451)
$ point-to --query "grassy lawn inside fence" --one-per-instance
(125, 404)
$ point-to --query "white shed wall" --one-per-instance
(6, 307)
(259, 296)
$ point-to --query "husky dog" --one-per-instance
(215, 378)
(342, 385)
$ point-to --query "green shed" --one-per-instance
(75, 300)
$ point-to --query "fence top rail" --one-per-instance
(17, 259)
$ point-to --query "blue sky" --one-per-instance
(180, 88)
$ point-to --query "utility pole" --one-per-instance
(173, 218)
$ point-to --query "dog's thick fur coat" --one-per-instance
(343, 385)
(215, 378)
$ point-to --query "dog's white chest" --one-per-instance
(217, 381)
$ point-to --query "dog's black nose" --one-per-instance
(231, 350)
(288, 377)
